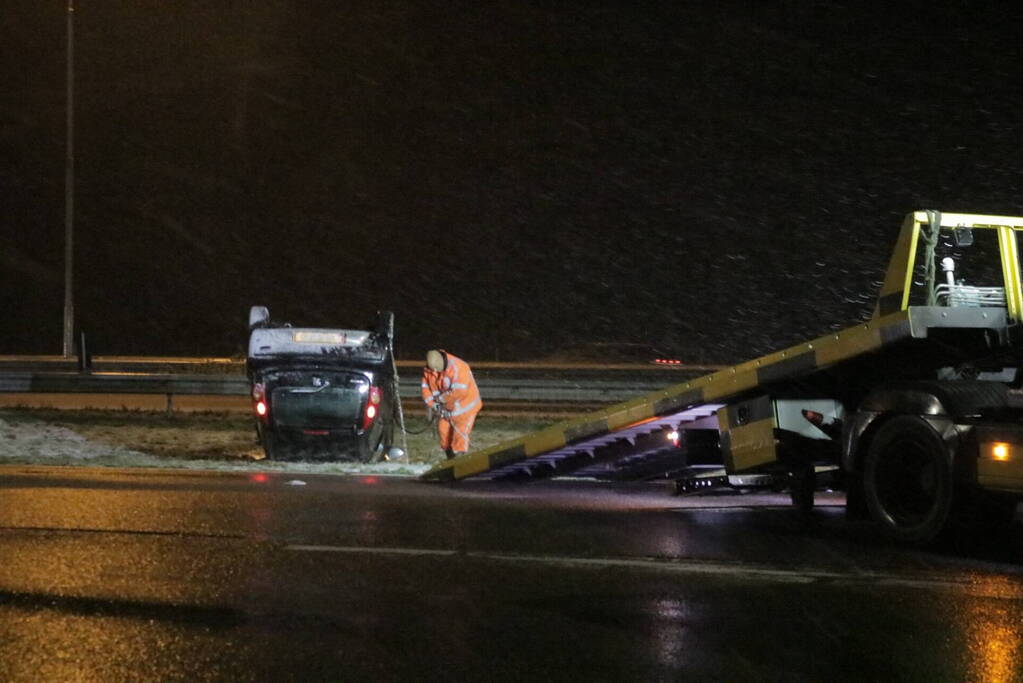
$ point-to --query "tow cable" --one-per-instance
(431, 423)
(432, 416)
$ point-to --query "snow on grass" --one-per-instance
(194, 442)
(45, 442)
(40, 443)
(393, 469)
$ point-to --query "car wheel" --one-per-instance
(275, 447)
(365, 447)
(385, 442)
(907, 480)
(269, 442)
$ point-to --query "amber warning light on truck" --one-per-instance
(999, 451)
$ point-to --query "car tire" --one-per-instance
(275, 447)
(365, 448)
(267, 441)
(907, 480)
(385, 443)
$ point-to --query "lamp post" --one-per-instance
(69, 187)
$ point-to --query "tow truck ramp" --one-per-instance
(730, 401)
(782, 412)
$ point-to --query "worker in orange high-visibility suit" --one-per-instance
(449, 389)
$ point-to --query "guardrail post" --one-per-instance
(84, 357)
(170, 405)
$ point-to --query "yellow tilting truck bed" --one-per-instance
(679, 403)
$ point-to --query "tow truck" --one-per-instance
(917, 413)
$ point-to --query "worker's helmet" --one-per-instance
(436, 360)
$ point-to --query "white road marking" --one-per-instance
(369, 551)
(1003, 587)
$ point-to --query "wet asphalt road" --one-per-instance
(114, 575)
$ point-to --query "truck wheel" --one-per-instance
(855, 505)
(907, 480)
(802, 483)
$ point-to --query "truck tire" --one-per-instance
(907, 480)
(802, 484)
(855, 505)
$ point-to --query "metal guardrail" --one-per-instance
(175, 376)
(122, 383)
(494, 388)
(178, 364)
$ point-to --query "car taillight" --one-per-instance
(372, 407)
(259, 402)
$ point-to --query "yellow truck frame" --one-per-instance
(916, 412)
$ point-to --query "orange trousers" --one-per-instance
(454, 432)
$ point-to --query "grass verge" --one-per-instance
(224, 436)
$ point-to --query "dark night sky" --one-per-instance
(716, 179)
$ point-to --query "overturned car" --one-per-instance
(322, 394)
